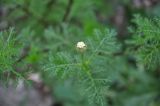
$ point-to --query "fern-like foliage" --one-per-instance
(9, 51)
(88, 70)
(146, 41)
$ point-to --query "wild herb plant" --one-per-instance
(88, 67)
(82, 68)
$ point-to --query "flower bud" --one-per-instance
(81, 46)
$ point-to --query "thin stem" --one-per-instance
(68, 10)
(10, 34)
(63, 65)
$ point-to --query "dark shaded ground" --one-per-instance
(23, 95)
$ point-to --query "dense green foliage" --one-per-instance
(146, 39)
(9, 52)
(110, 72)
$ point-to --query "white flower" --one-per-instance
(81, 46)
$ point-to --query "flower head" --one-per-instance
(81, 46)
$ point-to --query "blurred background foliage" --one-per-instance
(46, 32)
